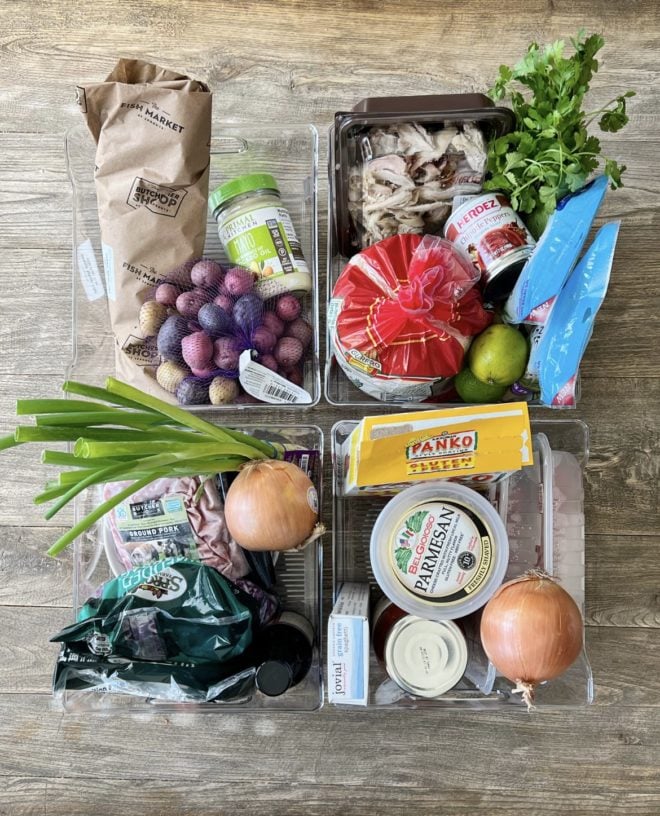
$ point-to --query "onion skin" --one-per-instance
(268, 506)
(531, 631)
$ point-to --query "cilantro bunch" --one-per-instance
(551, 152)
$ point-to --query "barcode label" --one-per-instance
(275, 391)
(267, 386)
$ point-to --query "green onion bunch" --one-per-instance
(119, 433)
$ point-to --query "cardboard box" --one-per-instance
(477, 444)
(348, 646)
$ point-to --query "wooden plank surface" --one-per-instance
(280, 62)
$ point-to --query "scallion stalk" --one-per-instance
(107, 506)
(182, 416)
(32, 407)
(62, 459)
(98, 512)
(134, 419)
(95, 393)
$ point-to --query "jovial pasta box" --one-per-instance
(475, 444)
(348, 646)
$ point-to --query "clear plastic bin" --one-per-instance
(541, 507)
(343, 241)
(298, 583)
(288, 153)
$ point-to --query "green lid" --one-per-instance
(240, 185)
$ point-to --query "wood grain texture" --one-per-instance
(68, 796)
(300, 61)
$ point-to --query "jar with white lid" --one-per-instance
(257, 232)
(425, 658)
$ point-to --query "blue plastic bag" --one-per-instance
(571, 321)
(555, 255)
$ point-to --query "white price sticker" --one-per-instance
(109, 269)
(268, 386)
(90, 277)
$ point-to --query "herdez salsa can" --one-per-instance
(495, 238)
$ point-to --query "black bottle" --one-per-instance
(285, 650)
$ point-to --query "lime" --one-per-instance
(470, 389)
(498, 356)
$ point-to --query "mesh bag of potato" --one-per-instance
(202, 316)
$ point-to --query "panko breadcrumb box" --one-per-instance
(476, 445)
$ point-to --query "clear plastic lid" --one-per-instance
(439, 550)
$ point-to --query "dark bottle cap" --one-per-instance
(273, 678)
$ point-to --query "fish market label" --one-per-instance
(442, 552)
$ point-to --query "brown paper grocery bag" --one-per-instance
(152, 128)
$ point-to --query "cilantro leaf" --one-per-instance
(551, 152)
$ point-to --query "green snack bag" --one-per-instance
(172, 611)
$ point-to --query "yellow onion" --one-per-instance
(272, 505)
(531, 630)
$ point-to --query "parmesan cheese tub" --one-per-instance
(439, 550)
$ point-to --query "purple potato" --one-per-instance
(207, 273)
(197, 350)
(224, 301)
(295, 376)
(167, 293)
(188, 304)
(226, 353)
(248, 311)
(173, 330)
(272, 322)
(215, 320)
(246, 399)
(192, 392)
(288, 308)
(301, 330)
(263, 340)
(268, 361)
(288, 352)
(238, 281)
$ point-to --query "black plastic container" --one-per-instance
(431, 110)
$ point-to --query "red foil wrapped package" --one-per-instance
(403, 314)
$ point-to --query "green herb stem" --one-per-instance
(96, 514)
(182, 416)
(31, 407)
(9, 441)
(62, 459)
(96, 393)
(126, 419)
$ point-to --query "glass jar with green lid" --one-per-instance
(256, 231)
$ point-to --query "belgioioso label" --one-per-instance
(441, 551)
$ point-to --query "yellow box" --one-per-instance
(474, 444)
